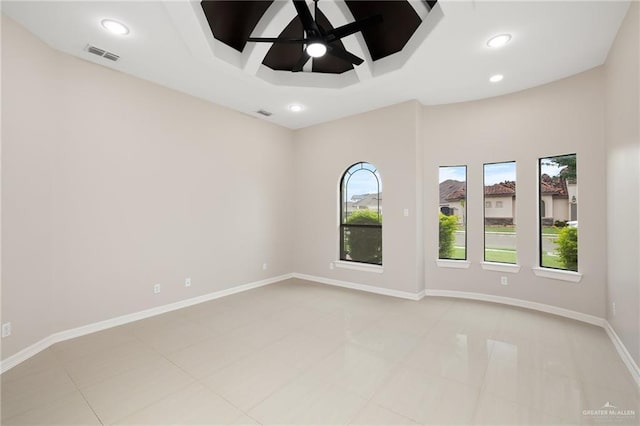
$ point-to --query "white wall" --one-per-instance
(111, 184)
(559, 118)
(385, 138)
(623, 181)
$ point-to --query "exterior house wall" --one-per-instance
(506, 211)
(458, 209)
(560, 209)
(548, 206)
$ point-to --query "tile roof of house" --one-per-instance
(452, 190)
(503, 188)
(369, 199)
(553, 186)
(366, 199)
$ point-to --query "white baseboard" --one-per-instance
(361, 287)
(623, 352)
(591, 319)
(26, 353)
(43, 344)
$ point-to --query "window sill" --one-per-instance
(457, 264)
(555, 274)
(358, 266)
(501, 267)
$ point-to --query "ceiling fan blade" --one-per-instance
(339, 52)
(308, 23)
(303, 60)
(353, 27)
(277, 40)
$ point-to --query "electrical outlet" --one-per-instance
(187, 282)
(405, 212)
(264, 266)
(6, 329)
(613, 310)
(156, 289)
(331, 265)
(504, 281)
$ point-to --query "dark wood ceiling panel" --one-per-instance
(283, 56)
(399, 23)
(328, 63)
(232, 22)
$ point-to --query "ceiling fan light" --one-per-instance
(316, 49)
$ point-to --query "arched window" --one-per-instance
(543, 209)
(361, 214)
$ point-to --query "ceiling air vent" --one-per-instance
(111, 56)
(101, 52)
(265, 113)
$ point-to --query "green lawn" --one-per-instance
(545, 230)
(552, 261)
(502, 256)
(459, 253)
(508, 256)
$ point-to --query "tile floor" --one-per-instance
(303, 353)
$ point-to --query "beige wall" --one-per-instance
(111, 184)
(559, 118)
(28, 150)
(385, 138)
(623, 181)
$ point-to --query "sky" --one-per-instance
(551, 170)
(499, 172)
(363, 181)
(458, 173)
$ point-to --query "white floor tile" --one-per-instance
(304, 353)
(120, 396)
(193, 405)
(373, 414)
(428, 399)
(69, 410)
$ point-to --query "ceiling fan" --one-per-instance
(318, 40)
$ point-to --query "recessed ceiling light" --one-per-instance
(316, 50)
(115, 26)
(496, 78)
(295, 107)
(499, 40)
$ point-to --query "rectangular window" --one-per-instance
(453, 213)
(558, 192)
(500, 222)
